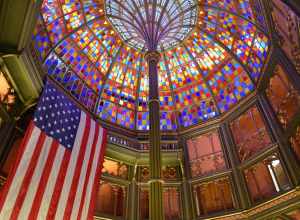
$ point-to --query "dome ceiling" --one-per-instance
(213, 69)
(155, 25)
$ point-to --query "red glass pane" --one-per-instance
(284, 99)
(250, 134)
(205, 154)
(214, 196)
(171, 198)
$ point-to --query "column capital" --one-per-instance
(152, 56)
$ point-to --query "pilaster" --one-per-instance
(133, 197)
(239, 182)
(186, 203)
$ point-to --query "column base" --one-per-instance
(156, 200)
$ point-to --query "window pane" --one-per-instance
(283, 97)
(110, 200)
(250, 134)
(171, 198)
(265, 179)
(286, 25)
(205, 154)
(295, 142)
(213, 196)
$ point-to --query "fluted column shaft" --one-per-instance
(156, 189)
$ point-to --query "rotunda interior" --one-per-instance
(200, 100)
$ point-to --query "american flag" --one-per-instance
(59, 164)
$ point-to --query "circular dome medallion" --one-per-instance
(152, 25)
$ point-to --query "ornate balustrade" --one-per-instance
(140, 146)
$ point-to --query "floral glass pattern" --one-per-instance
(213, 197)
(250, 134)
(295, 143)
(171, 198)
(287, 25)
(205, 154)
(283, 97)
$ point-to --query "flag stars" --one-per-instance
(60, 119)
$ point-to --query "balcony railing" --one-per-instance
(139, 146)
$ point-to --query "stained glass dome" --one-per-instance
(209, 72)
(154, 25)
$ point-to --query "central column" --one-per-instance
(156, 189)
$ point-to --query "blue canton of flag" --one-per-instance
(57, 116)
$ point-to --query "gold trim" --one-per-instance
(152, 56)
(156, 181)
(153, 100)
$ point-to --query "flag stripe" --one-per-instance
(57, 187)
(28, 176)
(26, 139)
(90, 183)
(22, 173)
(43, 182)
(35, 180)
(81, 160)
(88, 174)
(80, 137)
(93, 188)
(60, 161)
(85, 171)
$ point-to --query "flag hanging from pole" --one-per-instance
(59, 163)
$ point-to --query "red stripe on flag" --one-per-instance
(58, 185)
(11, 176)
(43, 182)
(88, 173)
(97, 177)
(72, 193)
(27, 178)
